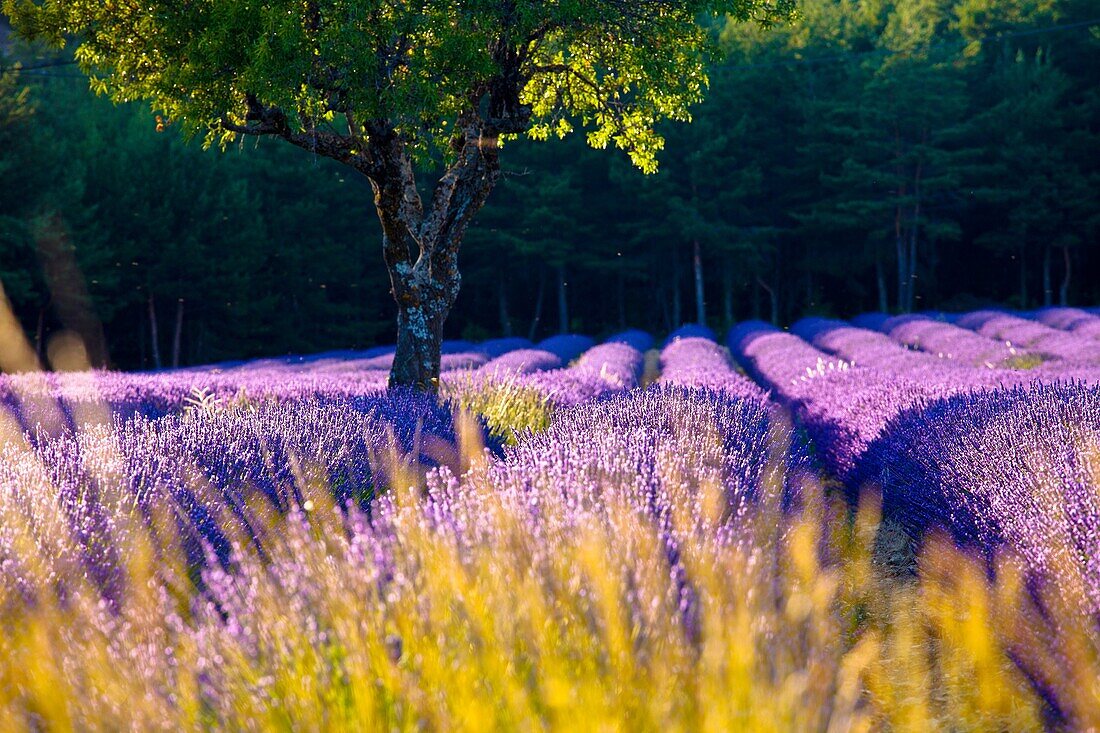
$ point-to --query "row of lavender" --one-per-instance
(864, 397)
(955, 428)
(620, 544)
(943, 436)
(57, 402)
(210, 464)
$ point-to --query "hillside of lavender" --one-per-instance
(886, 523)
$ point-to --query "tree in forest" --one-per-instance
(546, 225)
(1040, 198)
(386, 88)
(891, 164)
(20, 281)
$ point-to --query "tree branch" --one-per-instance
(459, 195)
(263, 120)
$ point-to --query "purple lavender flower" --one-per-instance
(1074, 320)
(1033, 336)
(693, 361)
(1010, 467)
(950, 342)
(640, 340)
(498, 347)
(567, 346)
(691, 330)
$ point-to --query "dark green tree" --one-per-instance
(891, 166)
(379, 86)
(1038, 194)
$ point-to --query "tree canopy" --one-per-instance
(323, 73)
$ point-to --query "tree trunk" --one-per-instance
(727, 296)
(880, 282)
(419, 342)
(1023, 277)
(773, 299)
(533, 331)
(677, 310)
(153, 337)
(177, 334)
(1048, 285)
(563, 302)
(1063, 290)
(40, 336)
(502, 303)
(421, 248)
(899, 234)
(620, 299)
(700, 296)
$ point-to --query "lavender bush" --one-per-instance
(567, 347)
(640, 340)
(244, 545)
(1034, 336)
(1017, 467)
(948, 341)
(695, 361)
(1075, 320)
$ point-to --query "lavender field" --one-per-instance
(888, 523)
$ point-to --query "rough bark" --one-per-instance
(421, 248)
(420, 245)
(419, 340)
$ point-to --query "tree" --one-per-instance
(891, 168)
(1041, 197)
(382, 87)
(20, 281)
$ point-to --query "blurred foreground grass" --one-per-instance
(447, 609)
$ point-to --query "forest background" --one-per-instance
(889, 155)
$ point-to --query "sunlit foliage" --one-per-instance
(616, 67)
